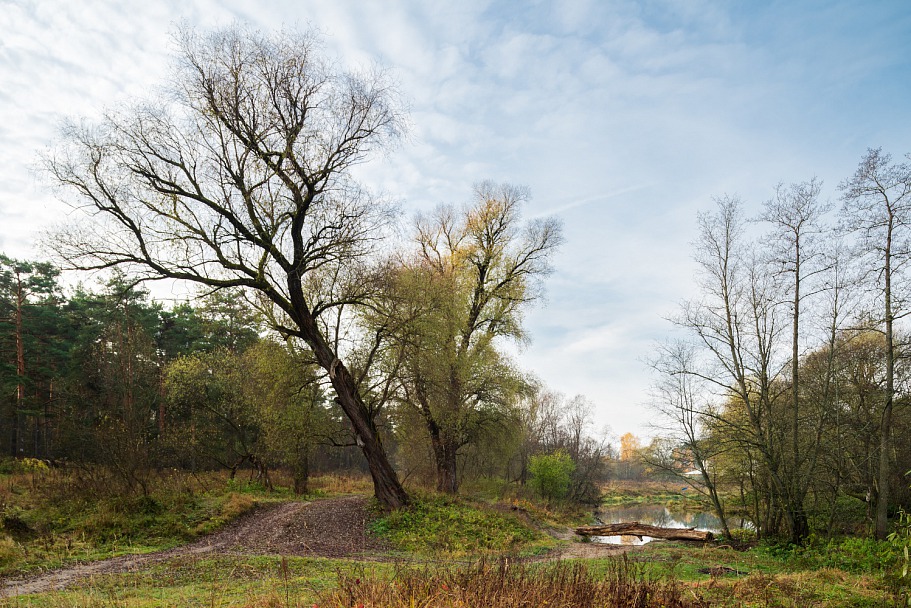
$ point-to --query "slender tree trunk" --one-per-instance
(162, 406)
(20, 368)
(47, 417)
(885, 429)
(800, 527)
(716, 500)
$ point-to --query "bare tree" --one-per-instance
(738, 328)
(794, 244)
(239, 177)
(877, 207)
(684, 405)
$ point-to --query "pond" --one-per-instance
(659, 515)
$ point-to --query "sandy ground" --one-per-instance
(335, 528)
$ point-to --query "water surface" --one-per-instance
(659, 515)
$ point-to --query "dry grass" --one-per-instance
(342, 484)
(503, 584)
(814, 589)
(236, 505)
(644, 487)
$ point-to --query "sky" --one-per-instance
(624, 118)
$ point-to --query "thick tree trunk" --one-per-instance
(634, 528)
(386, 486)
(446, 465)
(302, 472)
(445, 449)
(800, 526)
(444, 454)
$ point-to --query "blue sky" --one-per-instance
(622, 117)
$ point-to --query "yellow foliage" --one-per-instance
(629, 446)
(236, 505)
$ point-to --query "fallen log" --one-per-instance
(634, 528)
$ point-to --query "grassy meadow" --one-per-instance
(444, 551)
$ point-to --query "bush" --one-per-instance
(443, 524)
(551, 474)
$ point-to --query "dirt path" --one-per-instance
(335, 527)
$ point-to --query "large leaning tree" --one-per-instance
(239, 177)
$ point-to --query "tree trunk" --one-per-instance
(302, 472)
(885, 429)
(446, 465)
(444, 453)
(20, 367)
(716, 499)
(636, 529)
(386, 486)
(800, 526)
(882, 494)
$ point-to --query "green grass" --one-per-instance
(61, 525)
(764, 579)
(436, 524)
(48, 520)
(770, 576)
(254, 582)
(217, 581)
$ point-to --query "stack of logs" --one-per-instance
(634, 528)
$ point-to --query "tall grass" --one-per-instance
(342, 483)
(504, 583)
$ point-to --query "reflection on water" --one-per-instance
(658, 515)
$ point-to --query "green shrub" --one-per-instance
(443, 524)
(858, 555)
(900, 541)
(551, 474)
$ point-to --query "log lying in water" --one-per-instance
(634, 528)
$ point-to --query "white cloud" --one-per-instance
(623, 117)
